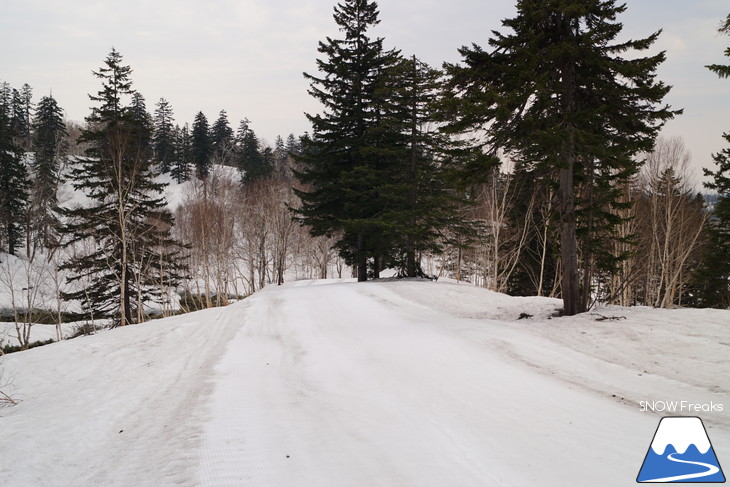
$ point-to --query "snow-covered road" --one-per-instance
(371, 384)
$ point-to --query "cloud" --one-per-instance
(247, 56)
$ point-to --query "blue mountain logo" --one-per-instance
(681, 452)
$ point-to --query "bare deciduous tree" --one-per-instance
(25, 281)
(672, 222)
(499, 247)
(5, 398)
(205, 221)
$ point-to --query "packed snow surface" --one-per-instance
(326, 383)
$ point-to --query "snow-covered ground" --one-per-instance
(327, 383)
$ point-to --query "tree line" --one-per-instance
(405, 168)
(117, 250)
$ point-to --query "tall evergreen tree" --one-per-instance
(21, 116)
(163, 136)
(293, 145)
(714, 274)
(281, 158)
(221, 135)
(6, 93)
(421, 191)
(127, 219)
(251, 161)
(556, 92)
(142, 123)
(344, 161)
(279, 144)
(50, 143)
(202, 147)
(180, 170)
(14, 181)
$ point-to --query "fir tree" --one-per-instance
(163, 137)
(221, 135)
(21, 116)
(127, 219)
(14, 181)
(421, 198)
(281, 159)
(6, 93)
(50, 143)
(344, 162)
(141, 122)
(180, 170)
(202, 147)
(293, 145)
(251, 161)
(556, 92)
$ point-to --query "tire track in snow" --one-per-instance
(124, 407)
(347, 384)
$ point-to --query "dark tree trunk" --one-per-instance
(378, 265)
(362, 260)
(411, 268)
(568, 242)
(413, 176)
(568, 239)
(587, 249)
(127, 310)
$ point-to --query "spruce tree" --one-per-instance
(141, 122)
(221, 138)
(281, 159)
(21, 115)
(293, 145)
(163, 136)
(127, 221)
(251, 161)
(50, 143)
(422, 200)
(714, 274)
(555, 92)
(344, 162)
(14, 181)
(180, 170)
(202, 147)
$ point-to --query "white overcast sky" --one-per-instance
(247, 56)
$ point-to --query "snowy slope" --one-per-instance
(362, 384)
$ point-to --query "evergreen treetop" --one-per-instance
(202, 146)
(50, 143)
(14, 180)
(163, 135)
(221, 135)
